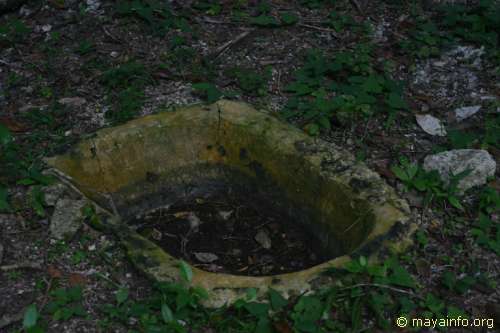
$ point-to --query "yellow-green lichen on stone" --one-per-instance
(152, 161)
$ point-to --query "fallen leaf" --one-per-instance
(431, 125)
(164, 75)
(495, 152)
(76, 279)
(383, 168)
(263, 239)
(205, 257)
(59, 4)
(194, 221)
(423, 267)
(213, 268)
(13, 125)
(414, 199)
(181, 215)
(282, 327)
(54, 272)
(492, 310)
(156, 234)
(74, 102)
(495, 184)
(225, 214)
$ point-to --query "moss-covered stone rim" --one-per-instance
(90, 167)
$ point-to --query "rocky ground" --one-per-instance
(430, 102)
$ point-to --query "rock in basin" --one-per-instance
(197, 150)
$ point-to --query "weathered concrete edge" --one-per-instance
(393, 234)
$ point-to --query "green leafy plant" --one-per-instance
(168, 309)
(37, 200)
(429, 182)
(264, 21)
(422, 238)
(460, 139)
(259, 312)
(4, 204)
(186, 272)
(307, 312)
(121, 295)
(370, 288)
(391, 272)
(14, 275)
(30, 319)
(458, 284)
(316, 3)
(345, 86)
(20, 169)
(126, 75)
(125, 85)
(341, 21)
(165, 310)
(207, 91)
(7, 154)
(85, 47)
(434, 307)
(66, 303)
(424, 40)
(489, 200)
(157, 15)
(78, 256)
(209, 7)
(492, 132)
(474, 24)
(288, 18)
(251, 81)
(12, 32)
(487, 233)
(60, 247)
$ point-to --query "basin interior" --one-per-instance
(301, 235)
(233, 227)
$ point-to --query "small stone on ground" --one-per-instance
(431, 125)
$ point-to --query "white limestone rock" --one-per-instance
(453, 162)
(466, 112)
(67, 218)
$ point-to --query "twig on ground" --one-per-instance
(31, 265)
(313, 27)
(212, 21)
(279, 84)
(10, 5)
(378, 285)
(8, 64)
(46, 295)
(104, 277)
(184, 242)
(7, 320)
(229, 44)
(111, 36)
(356, 6)
(271, 62)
